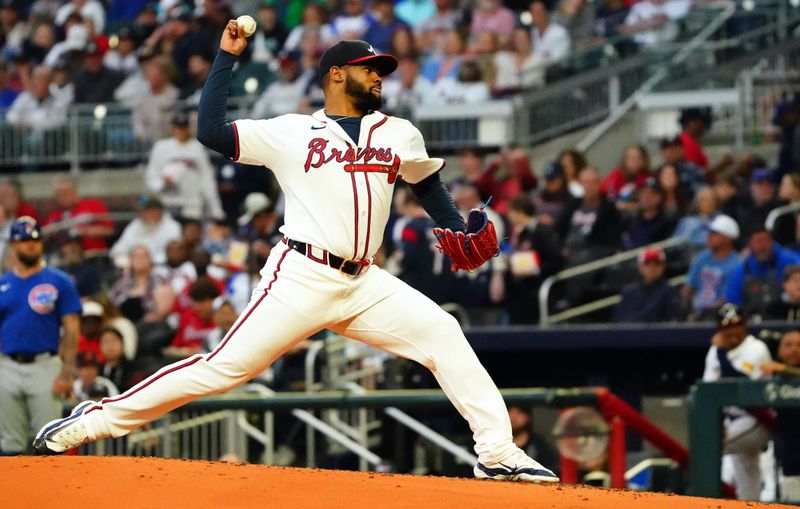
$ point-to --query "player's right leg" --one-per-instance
(14, 426)
(289, 305)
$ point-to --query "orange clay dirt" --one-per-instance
(87, 482)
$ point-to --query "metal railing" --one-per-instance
(545, 319)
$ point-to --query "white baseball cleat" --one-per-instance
(519, 467)
(61, 435)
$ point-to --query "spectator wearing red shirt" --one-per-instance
(694, 124)
(11, 196)
(621, 183)
(92, 322)
(92, 229)
(518, 178)
(197, 322)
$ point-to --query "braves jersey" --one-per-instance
(338, 190)
(31, 310)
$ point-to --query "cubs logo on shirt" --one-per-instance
(42, 298)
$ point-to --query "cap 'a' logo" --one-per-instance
(42, 298)
(371, 49)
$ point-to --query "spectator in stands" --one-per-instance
(406, 89)
(621, 183)
(135, 86)
(192, 235)
(787, 118)
(198, 68)
(445, 65)
(694, 227)
(421, 265)
(96, 82)
(61, 87)
(694, 124)
(241, 285)
(271, 35)
(431, 31)
(13, 27)
(414, 12)
(83, 274)
(492, 16)
(139, 293)
(403, 45)
(468, 87)
(36, 109)
(353, 22)
(122, 56)
(676, 201)
(786, 226)
(590, 227)
(153, 228)
(786, 432)
(185, 41)
(712, 269)
(114, 318)
(654, 22)
(117, 368)
(736, 354)
(754, 209)
(383, 25)
(7, 93)
(551, 41)
(573, 161)
(92, 322)
(553, 197)
(518, 178)
(85, 218)
(70, 50)
(787, 306)
(284, 95)
(756, 284)
(259, 221)
(315, 19)
(728, 195)
(578, 17)
(691, 176)
(11, 196)
(178, 271)
(610, 16)
(180, 171)
(534, 255)
(89, 385)
(36, 49)
(224, 318)
(149, 111)
(518, 67)
(651, 299)
(196, 323)
(88, 9)
(649, 223)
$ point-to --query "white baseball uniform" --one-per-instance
(745, 437)
(338, 198)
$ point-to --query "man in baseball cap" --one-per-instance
(355, 53)
(712, 269)
(651, 299)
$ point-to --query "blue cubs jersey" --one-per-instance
(31, 310)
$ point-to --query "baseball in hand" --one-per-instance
(247, 23)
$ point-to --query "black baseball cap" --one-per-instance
(729, 314)
(355, 52)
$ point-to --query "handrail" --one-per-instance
(620, 111)
(775, 213)
(547, 284)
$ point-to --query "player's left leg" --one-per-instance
(43, 405)
(14, 420)
(387, 313)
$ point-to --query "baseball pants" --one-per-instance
(745, 440)
(27, 400)
(298, 297)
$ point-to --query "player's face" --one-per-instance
(29, 252)
(789, 350)
(363, 85)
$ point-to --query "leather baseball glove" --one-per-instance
(470, 250)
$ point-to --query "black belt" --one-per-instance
(347, 266)
(27, 358)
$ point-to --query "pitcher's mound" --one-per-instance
(88, 482)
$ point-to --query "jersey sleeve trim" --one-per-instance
(235, 141)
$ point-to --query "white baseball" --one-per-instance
(247, 23)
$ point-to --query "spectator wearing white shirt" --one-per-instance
(283, 96)
(37, 109)
(149, 111)
(468, 88)
(354, 22)
(153, 228)
(122, 58)
(518, 67)
(180, 171)
(551, 41)
(653, 22)
(87, 9)
(406, 88)
(315, 19)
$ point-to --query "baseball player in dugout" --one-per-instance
(36, 303)
(337, 168)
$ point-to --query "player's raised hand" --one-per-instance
(233, 39)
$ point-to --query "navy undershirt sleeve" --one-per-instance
(437, 202)
(213, 129)
(726, 368)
